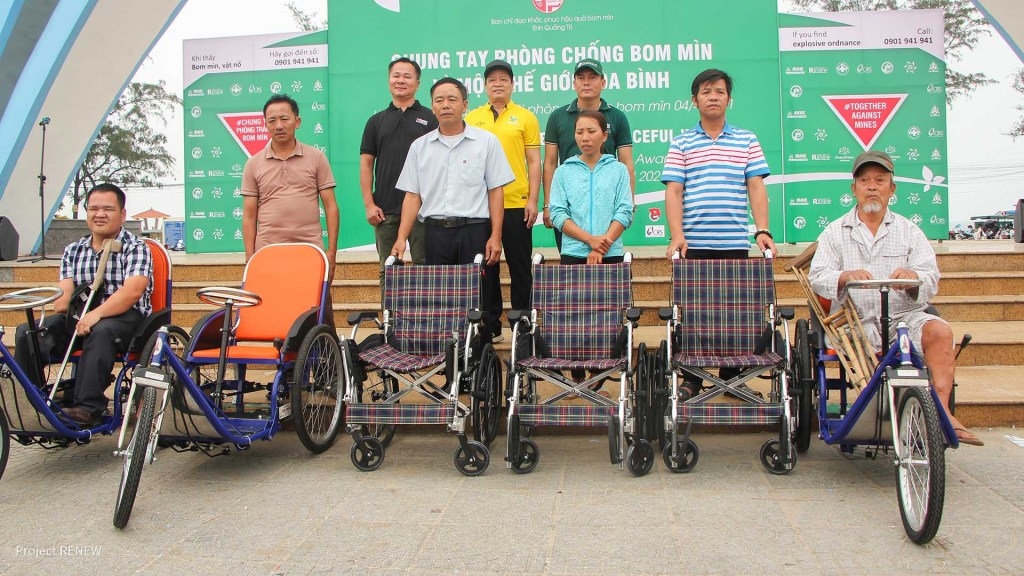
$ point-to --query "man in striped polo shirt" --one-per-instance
(711, 173)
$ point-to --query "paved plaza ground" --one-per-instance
(279, 510)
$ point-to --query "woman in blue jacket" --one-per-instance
(590, 198)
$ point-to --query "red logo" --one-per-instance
(248, 129)
(865, 116)
(654, 213)
(547, 6)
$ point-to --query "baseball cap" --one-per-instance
(590, 63)
(498, 65)
(873, 157)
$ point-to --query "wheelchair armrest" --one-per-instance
(302, 325)
(358, 317)
(633, 315)
(518, 316)
(786, 312)
(149, 325)
(665, 313)
(475, 316)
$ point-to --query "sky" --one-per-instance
(985, 165)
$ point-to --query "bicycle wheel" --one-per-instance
(486, 396)
(805, 383)
(921, 472)
(5, 442)
(134, 458)
(316, 389)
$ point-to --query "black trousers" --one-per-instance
(92, 376)
(724, 373)
(459, 246)
(517, 243)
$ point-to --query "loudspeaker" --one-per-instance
(8, 240)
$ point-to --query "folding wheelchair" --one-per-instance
(428, 349)
(34, 415)
(582, 321)
(201, 393)
(723, 315)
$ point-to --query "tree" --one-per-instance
(305, 20)
(129, 148)
(964, 27)
(1018, 84)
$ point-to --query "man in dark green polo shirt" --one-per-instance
(560, 134)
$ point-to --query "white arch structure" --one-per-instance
(67, 60)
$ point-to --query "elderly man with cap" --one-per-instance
(560, 133)
(870, 242)
(519, 133)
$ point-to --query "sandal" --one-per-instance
(965, 436)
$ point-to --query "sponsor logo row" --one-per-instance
(887, 67)
(275, 87)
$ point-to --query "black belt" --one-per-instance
(454, 222)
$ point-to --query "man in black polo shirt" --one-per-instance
(386, 140)
(560, 134)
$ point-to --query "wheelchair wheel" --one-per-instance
(379, 386)
(641, 393)
(921, 472)
(5, 442)
(771, 457)
(367, 453)
(614, 440)
(803, 391)
(472, 459)
(660, 405)
(134, 458)
(640, 457)
(316, 389)
(686, 455)
(527, 457)
(486, 396)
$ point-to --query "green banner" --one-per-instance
(650, 50)
(853, 81)
(227, 81)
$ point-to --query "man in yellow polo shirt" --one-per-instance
(519, 133)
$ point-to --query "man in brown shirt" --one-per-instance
(283, 187)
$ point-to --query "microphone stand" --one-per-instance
(41, 255)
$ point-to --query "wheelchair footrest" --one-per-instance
(570, 415)
(399, 413)
(731, 414)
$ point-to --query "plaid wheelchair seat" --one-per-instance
(581, 310)
(427, 304)
(723, 312)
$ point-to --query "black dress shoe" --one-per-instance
(82, 415)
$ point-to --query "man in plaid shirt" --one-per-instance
(872, 242)
(120, 304)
